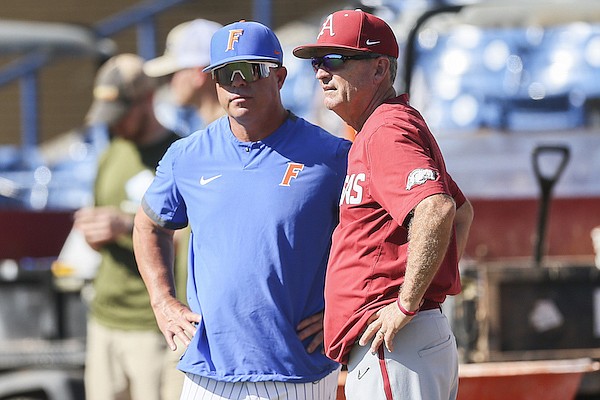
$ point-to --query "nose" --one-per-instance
(238, 80)
(321, 73)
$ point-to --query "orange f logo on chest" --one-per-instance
(234, 36)
(292, 171)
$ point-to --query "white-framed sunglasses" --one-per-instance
(249, 71)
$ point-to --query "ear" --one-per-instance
(381, 69)
(281, 74)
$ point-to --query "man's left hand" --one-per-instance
(383, 326)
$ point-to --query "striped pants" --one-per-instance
(201, 388)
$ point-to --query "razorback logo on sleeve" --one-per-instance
(419, 176)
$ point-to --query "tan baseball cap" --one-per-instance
(188, 46)
(120, 83)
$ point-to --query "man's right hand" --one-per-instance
(176, 319)
(101, 225)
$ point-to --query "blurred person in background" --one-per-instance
(123, 340)
(260, 189)
(190, 98)
(403, 227)
(186, 54)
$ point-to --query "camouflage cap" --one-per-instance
(120, 83)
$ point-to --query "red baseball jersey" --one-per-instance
(394, 163)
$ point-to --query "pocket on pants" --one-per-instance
(436, 346)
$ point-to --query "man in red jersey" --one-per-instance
(403, 226)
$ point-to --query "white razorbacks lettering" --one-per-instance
(352, 193)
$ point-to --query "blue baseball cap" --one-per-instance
(244, 41)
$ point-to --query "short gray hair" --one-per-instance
(393, 68)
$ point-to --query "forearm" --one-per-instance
(462, 223)
(154, 253)
(429, 236)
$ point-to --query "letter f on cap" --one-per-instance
(234, 36)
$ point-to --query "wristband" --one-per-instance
(404, 310)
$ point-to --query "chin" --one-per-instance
(330, 104)
(237, 112)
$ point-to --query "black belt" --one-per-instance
(430, 305)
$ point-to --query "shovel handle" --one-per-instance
(547, 181)
(546, 184)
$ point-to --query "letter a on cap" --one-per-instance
(234, 36)
(327, 25)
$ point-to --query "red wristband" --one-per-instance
(405, 311)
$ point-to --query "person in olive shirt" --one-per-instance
(187, 53)
(123, 340)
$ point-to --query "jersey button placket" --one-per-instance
(246, 156)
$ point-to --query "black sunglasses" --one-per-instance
(334, 62)
(249, 71)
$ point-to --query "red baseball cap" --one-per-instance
(353, 31)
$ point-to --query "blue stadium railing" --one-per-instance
(36, 45)
(25, 69)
